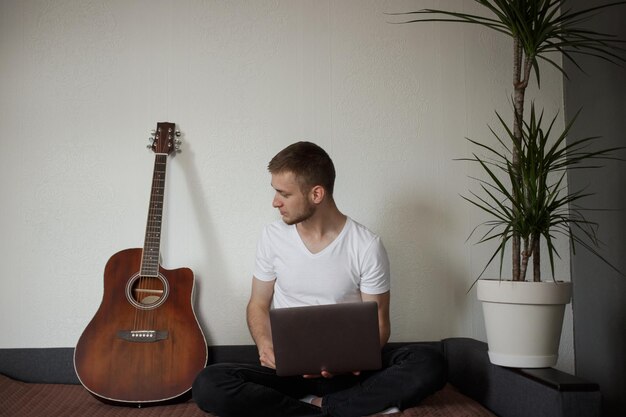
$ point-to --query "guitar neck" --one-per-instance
(152, 241)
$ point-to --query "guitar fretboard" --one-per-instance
(152, 241)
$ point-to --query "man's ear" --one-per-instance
(317, 194)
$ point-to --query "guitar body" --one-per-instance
(115, 367)
(144, 344)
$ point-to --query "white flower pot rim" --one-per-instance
(524, 292)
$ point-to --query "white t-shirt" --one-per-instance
(355, 262)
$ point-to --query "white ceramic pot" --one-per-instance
(523, 321)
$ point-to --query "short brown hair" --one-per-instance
(310, 164)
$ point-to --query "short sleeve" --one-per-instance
(264, 265)
(375, 272)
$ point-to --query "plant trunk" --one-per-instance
(522, 66)
(536, 259)
(525, 254)
(518, 103)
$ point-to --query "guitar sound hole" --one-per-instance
(147, 292)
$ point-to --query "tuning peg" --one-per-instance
(151, 140)
(177, 140)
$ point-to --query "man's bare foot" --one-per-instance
(313, 400)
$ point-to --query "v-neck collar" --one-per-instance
(328, 247)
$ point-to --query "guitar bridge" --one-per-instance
(143, 336)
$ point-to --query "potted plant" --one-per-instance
(524, 191)
(523, 318)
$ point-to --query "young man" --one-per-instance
(316, 255)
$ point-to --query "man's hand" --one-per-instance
(266, 356)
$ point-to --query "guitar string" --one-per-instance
(149, 269)
(154, 237)
(149, 276)
(138, 294)
(160, 185)
(160, 182)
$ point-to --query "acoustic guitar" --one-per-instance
(144, 345)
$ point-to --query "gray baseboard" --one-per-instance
(45, 365)
(56, 365)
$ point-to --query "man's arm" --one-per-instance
(257, 314)
(384, 323)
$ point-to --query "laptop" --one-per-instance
(338, 338)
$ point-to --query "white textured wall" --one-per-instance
(83, 82)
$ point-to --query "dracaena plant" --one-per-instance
(538, 29)
(532, 201)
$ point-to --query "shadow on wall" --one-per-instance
(429, 286)
(200, 218)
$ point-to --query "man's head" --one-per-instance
(309, 163)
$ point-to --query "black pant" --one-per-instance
(410, 373)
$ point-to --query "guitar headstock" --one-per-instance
(165, 138)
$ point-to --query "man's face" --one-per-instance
(293, 205)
